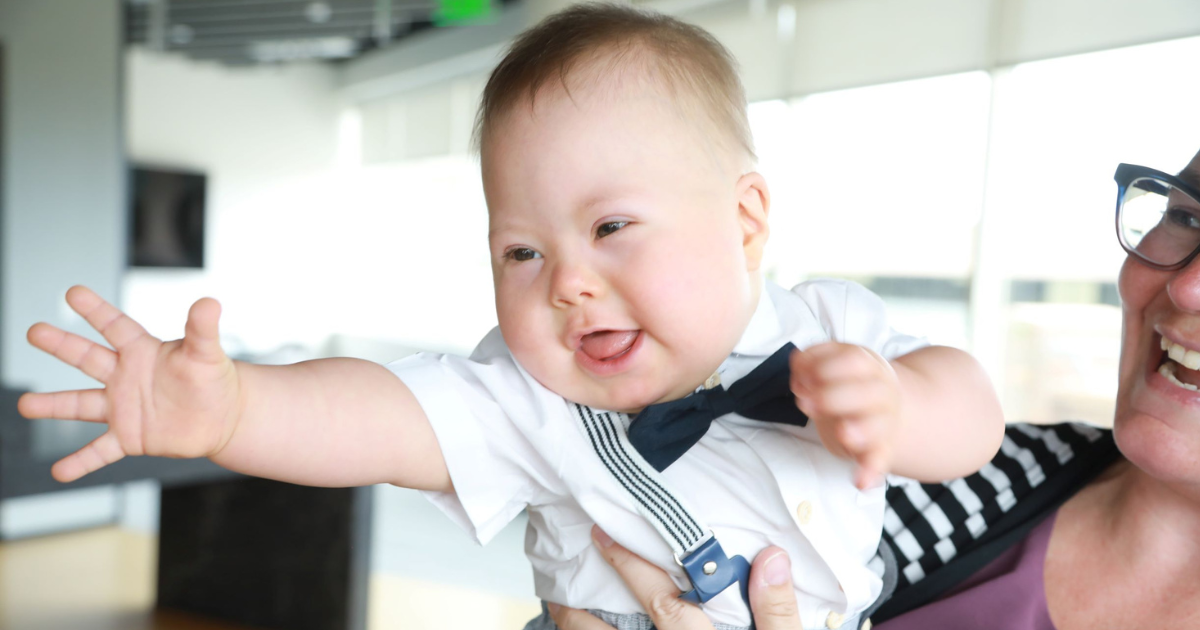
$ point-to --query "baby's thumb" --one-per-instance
(772, 598)
(201, 338)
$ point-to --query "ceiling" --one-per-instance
(245, 32)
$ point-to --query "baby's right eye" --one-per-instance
(521, 254)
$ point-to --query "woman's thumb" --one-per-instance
(772, 598)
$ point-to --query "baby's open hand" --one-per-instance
(852, 395)
(173, 399)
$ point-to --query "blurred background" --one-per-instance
(307, 163)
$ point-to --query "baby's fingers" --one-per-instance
(865, 441)
(872, 466)
(832, 362)
(118, 328)
(88, 356)
(851, 400)
(101, 452)
(90, 405)
(201, 338)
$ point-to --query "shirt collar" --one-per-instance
(764, 334)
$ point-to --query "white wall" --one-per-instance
(303, 243)
(266, 137)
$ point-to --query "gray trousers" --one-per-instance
(636, 621)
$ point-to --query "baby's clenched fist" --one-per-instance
(852, 396)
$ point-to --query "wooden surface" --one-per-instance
(103, 579)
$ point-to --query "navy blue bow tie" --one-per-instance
(665, 431)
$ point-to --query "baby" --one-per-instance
(627, 229)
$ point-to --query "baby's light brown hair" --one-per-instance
(694, 66)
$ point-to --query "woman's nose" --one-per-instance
(1184, 287)
(571, 282)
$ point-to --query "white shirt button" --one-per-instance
(833, 621)
(804, 512)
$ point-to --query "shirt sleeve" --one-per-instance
(850, 313)
(471, 404)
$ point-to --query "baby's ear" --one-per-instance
(754, 202)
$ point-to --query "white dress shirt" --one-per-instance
(511, 444)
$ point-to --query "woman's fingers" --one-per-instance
(99, 453)
(654, 589)
(201, 338)
(88, 356)
(90, 405)
(118, 328)
(772, 597)
(574, 619)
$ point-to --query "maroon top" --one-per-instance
(1007, 594)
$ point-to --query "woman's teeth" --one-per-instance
(1189, 359)
(1178, 357)
(1167, 370)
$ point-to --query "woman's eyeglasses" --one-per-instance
(1158, 217)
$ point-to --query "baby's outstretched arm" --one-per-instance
(931, 414)
(329, 422)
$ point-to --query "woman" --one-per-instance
(1104, 539)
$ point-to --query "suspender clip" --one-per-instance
(711, 571)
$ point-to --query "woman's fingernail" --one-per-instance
(600, 537)
(778, 569)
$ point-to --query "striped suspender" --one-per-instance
(696, 549)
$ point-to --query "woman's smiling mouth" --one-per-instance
(1180, 366)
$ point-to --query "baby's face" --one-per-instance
(623, 253)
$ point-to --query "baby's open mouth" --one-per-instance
(1180, 365)
(606, 345)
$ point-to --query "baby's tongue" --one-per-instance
(607, 343)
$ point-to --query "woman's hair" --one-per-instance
(694, 67)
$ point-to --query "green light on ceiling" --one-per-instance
(455, 12)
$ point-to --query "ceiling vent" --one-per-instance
(244, 32)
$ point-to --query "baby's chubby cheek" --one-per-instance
(693, 291)
(527, 332)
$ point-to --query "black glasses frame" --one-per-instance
(1125, 175)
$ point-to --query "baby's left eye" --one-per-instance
(608, 228)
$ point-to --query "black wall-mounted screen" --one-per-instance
(168, 218)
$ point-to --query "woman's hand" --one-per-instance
(772, 599)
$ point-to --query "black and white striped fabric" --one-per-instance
(941, 533)
(669, 514)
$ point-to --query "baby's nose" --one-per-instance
(573, 283)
